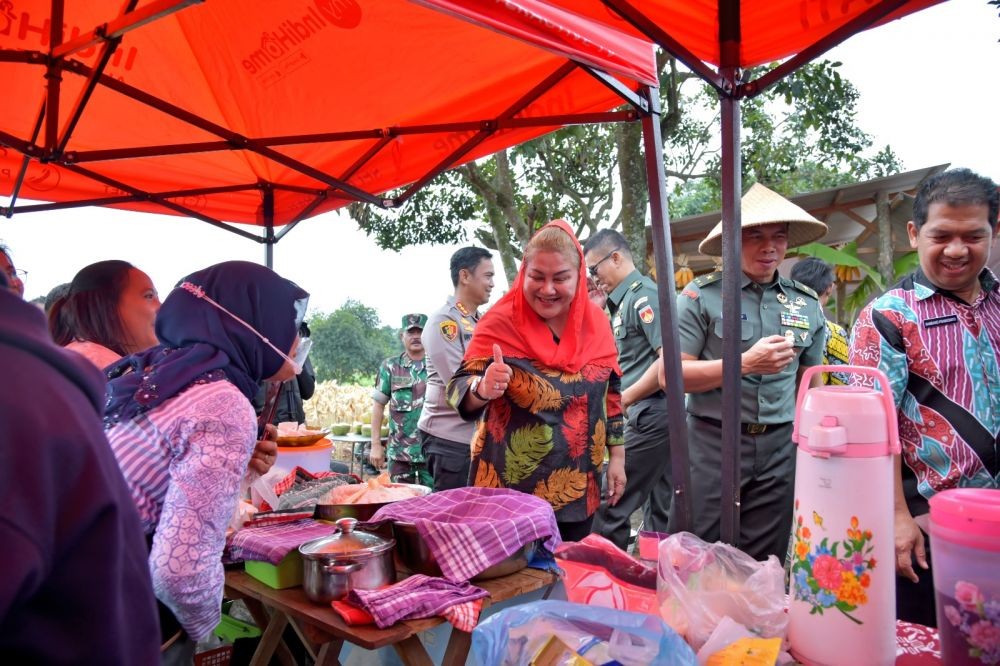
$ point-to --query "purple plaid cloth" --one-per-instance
(469, 530)
(416, 597)
(273, 542)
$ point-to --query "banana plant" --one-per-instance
(847, 255)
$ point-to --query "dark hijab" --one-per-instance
(201, 343)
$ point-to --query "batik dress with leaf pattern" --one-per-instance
(548, 433)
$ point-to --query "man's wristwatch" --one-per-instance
(474, 385)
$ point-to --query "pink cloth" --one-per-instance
(469, 530)
(416, 597)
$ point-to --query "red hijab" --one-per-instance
(521, 333)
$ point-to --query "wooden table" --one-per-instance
(324, 632)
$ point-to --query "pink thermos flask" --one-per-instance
(843, 585)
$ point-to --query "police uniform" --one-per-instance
(635, 319)
(444, 436)
(767, 406)
(401, 382)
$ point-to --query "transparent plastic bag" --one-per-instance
(699, 584)
(515, 635)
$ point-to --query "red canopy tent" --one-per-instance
(268, 113)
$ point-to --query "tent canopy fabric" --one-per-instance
(769, 30)
(227, 109)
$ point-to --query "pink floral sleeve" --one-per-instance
(211, 440)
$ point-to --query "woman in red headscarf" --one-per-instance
(541, 374)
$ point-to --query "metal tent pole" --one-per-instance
(663, 256)
(269, 240)
(731, 173)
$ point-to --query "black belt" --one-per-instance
(745, 428)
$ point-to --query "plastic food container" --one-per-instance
(313, 458)
(965, 555)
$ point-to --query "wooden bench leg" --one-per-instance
(412, 652)
(269, 639)
(329, 653)
(457, 650)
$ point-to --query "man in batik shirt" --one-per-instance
(936, 336)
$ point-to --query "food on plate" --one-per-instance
(293, 429)
(376, 490)
(340, 429)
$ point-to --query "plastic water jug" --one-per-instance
(843, 581)
(965, 560)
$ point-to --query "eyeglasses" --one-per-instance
(17, 274)
(301, 352)
(593, 269)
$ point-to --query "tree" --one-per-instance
(800, 135)
(349, 343)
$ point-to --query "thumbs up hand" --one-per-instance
(496, 378)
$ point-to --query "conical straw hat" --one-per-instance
(763, 206)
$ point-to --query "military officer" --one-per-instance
(782, 332)
(632, 302)
(401, 382)
(444, 436)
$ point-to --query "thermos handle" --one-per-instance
(886, 393)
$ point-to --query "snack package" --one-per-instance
(565, 633)
(699, 584)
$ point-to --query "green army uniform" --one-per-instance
(635, 320)
(401, 383)
(767, 405)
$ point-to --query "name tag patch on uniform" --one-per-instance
(940, 321)
(646, 314)
(794, 320)
(744, 317)
(449, 330)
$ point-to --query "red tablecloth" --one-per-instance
(916, 645)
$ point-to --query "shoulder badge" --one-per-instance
(635, 285)
(646, 314)
(702, 280)
(449, 330)
(808, 291)
(639, 301)
(690, 293)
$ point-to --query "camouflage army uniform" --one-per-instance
(401, 382)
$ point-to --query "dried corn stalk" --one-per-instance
(338, 403)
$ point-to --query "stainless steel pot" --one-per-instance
(345, 561)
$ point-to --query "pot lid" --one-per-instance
(347, 542)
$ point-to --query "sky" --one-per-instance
(927, 86)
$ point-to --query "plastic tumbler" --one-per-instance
(965, 551)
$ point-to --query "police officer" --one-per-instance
(445, 437)
(401, 382)
(632, 302)
(782, 332)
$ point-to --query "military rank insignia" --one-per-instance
(449, 330)
(646, 314)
